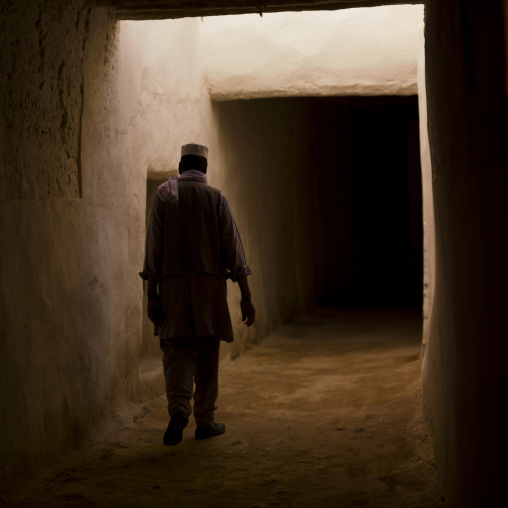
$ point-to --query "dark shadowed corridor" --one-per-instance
(317, 142)
(325, 412)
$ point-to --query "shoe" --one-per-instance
(206, 431)
(174, 432)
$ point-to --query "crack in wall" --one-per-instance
(82, 97)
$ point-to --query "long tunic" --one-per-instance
(192, 247)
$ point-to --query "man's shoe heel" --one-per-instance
(207, 431)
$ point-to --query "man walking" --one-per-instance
(192, 248)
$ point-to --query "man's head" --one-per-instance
(193, 157)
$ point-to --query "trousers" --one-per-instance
(190, 361)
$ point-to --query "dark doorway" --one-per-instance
(368, 248)
(335, 191)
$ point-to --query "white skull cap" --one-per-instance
(194, 149)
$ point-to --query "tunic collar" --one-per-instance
(168, 191)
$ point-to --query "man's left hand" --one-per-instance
(248, 311)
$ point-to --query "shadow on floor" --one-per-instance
(325, 412)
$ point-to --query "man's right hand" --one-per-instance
(155, 311)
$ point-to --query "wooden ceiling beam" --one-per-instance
(168, 9)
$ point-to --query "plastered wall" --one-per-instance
(163, 104)
(429, 231)
(464, 378)
(43, 82)
(366, 51)
(161, 87)
(260, 161)
(65, 352)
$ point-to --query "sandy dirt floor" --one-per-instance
(326, 412)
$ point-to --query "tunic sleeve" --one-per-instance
(231, 242)
(154, 242)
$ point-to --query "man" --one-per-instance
(192, 248)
